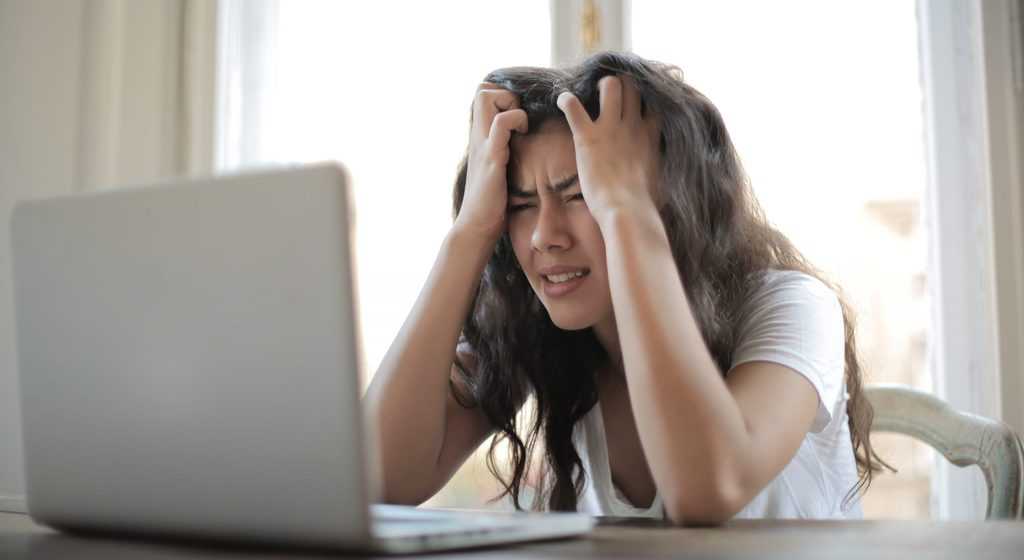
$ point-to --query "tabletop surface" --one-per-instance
(20, 538)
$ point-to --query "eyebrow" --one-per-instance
(564, 184)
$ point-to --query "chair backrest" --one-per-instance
(964, 439)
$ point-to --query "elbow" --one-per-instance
(714, 504)
(402, 495)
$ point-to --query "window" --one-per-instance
(828, 124)
(829, 128)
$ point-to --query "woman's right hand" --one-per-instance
(496, 114)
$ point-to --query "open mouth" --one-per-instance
(565, 277)
(556, 285)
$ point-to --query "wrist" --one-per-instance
(644, 215)
(472, 240)
(632, 232)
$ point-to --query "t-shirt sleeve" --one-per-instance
(795, 320)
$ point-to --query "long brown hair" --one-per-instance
(721, 242)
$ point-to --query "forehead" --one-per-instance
(542, 157)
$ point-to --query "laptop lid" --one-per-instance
(189, 360)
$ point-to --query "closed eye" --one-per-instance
(518, 207)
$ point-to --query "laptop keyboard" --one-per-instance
(404, 521)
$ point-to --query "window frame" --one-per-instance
(972, 119)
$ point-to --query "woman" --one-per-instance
(609, 259)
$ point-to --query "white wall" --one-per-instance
(39, 91)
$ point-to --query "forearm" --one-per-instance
(408, 394)
(691, 429)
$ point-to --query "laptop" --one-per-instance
(189, 366)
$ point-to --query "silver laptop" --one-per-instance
(189, 366)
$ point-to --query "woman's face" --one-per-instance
(554, 236)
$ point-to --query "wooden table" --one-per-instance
(790, 540)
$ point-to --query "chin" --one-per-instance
(571, 321)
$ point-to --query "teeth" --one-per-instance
(559, 278)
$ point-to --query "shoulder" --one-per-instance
(790, 302)
(774, 284)
(788, 293)
(796, 320)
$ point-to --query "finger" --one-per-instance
(473, 111)
(490, 101)
(503, 125)
(574, 112)
(630, 99)
(610, 92)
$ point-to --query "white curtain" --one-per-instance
(148, 91)
(96, 94)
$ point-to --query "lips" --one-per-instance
(561, 269)
(553, 289)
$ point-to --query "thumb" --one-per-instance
(574, 112)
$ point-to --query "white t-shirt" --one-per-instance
(796, 321)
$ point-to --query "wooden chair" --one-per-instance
(964, 439)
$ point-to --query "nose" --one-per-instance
(551, 231)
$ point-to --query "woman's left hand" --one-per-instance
(617, 155)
